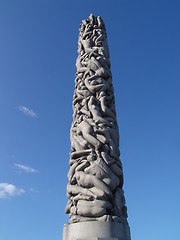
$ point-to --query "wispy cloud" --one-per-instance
(9, 190)
(27, 111)
(33, 190)
(23, 168)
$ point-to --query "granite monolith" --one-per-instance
(96, 203)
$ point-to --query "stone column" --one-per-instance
(96, 202)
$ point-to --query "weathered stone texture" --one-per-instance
(95, 177)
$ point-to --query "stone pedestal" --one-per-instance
(96, 230)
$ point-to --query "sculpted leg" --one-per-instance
(73, 190)
(95, 208)
(87, 132)
(88, 181)
(105, 109)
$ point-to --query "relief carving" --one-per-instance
(95, 176)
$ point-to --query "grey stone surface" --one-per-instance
(96, 230)
(95, 176)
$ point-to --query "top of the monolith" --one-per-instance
(97, 21)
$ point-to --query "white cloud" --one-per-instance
(9, 190)
(27, 111)
(23, 168)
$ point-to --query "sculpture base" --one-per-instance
(96, 230)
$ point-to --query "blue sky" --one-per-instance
(38, 50)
